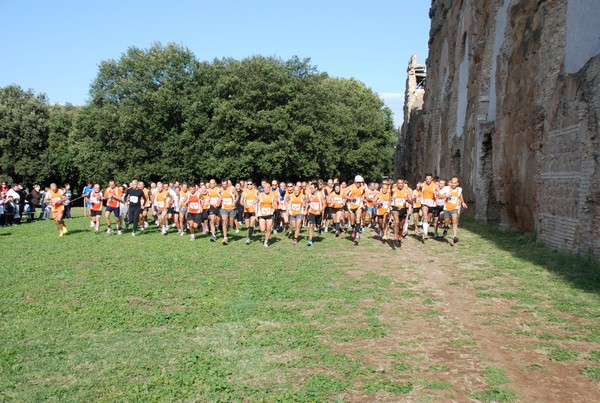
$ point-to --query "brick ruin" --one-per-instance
(511, 105)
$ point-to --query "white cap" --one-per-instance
(358, 178)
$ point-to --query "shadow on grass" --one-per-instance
(582, 272)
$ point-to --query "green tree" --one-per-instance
(23, 134)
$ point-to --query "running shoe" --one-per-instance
(309, 243)
(213, 238)
(225, 241)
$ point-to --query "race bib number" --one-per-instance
(337, 200)
(315, 206)
(227, 202)
(194, 205)
(94, 200)
(214, 200)
(385, 204)
(453, 200)
(355, 201)
(420, 200)
(133, 199)
(296, 206)
(250, 202)
(265, 211)
(430, 202)
(160, 204)
(400, 202)
(441, 202)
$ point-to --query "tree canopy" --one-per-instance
(159, 113)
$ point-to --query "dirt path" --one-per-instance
(442, 336)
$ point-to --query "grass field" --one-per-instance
(105, 317)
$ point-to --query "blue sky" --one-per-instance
(55, 46)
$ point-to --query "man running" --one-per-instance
(440, 202)
(194, 210)
(401, 198)
(95, 198)
(417, 205)
(86, 201)
(429, 191)
(249, 201)
(335, 200)
(356, 201)
(454, 200)
(315, 210)
(215, 207)
(227, 211)
(382, 202)
(113, 195)
(161, 200)
(57, 199)
(297, 207)
(265, 209)
(135, 199)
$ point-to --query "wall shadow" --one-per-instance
(580, 271)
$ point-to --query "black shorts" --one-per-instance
(266, 217)
(212, 210)
(170, 210)
(402, 211)
(314, 219)
(333, 211)
(248, 215)
(195, 217)
(345, 207)
(114, 210)
(204, 215)
(95, 213)
(438, 210)
(327, 213)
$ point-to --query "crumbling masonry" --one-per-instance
(512, 106)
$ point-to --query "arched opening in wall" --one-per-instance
(463, 45)
(455, 163)
(487, 175)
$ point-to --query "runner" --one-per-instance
(57, 199)
(382, 203)
(428, 204)
(409, 209)
(96, 206)
(160, 201)
(371, 209)
(135, 199)
(454, 201)
(227, 211)
(113, 195)
(297, 207)
(249, 200)
(327, 215)
(215, 206)
(194, 210)
(204, 196)
(315, 210)
(267, 204)
(356, 201)
(86, 202)
(336, 202)
(145, 207)
(183, 207)
(283, 213)
(417, 205)
(401, 198)
(440, 202)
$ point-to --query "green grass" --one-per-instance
(494, 394)
(495, 376)
(152, 318)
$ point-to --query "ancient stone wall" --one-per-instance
(512, 107)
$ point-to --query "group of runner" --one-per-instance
(211, 207)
